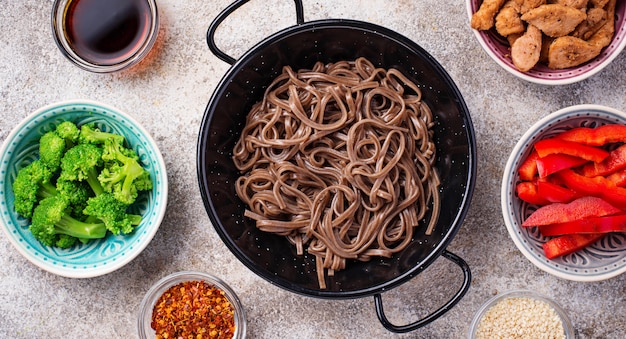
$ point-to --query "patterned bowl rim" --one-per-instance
(599, 262)
(494, 46)
(58, 265)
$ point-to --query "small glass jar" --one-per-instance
(104, 36)
(509, 313)
(155, 292)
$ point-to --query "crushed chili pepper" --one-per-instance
(193, 309)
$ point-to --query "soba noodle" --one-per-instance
(339, 159)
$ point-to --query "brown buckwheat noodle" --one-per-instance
(339, 159)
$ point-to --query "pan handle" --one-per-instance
(467, 277)
(228, 11)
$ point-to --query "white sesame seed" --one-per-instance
(520, 317)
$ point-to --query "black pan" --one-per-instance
(300, 46)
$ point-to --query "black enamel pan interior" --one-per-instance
(300, 46)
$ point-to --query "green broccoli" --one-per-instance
(122, 174)
(92, 135)
(31, 184)
(83, 162)
(69, 132)
(62, 193)
(52, 226)
(51, 150)
(112, 212)
(77, 193)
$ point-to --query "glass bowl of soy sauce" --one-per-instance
(104, 36)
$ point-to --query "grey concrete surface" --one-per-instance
(168, 93)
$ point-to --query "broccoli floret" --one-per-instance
(83, 162)
(31, 184)
(112, 212)
(52, 226)
(51, 150)
(77, 193)
(92, 135)
(122, 174)
(69, 132)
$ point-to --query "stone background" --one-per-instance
(168, 93)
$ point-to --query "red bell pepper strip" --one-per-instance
(552, 192)
(527, 191)
(528, 168)
(614, 162)
(618, 178)
(553, 146)
(607, 224)
(597, 186)
(553, 163)
(568, 243)
(580, 208)
(598, 136)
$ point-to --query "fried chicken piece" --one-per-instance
(599, 3)
(596, 17)
(554, 20)
(526, 49)
(483, 19)
(527, 5)
(508, 19)
(546, 42)
(578, 4)
(512, 37)
(605, 33)
(569, 51)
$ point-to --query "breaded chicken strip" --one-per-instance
(569, 51)
(554, 20)
(483, 19)
(526, 49)
(508, 20)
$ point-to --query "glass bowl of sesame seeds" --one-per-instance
(521, 314)
(191, 304)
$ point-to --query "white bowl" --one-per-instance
(100, 256)
(498, 49)
(604, 259)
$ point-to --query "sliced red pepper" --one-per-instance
(557, 146)
(528, 169)
(614, 162)
(568, 243)
(552, 192)
(598, 136)
(580, 208)
(597, 186)
(618, 178)
(608, 224)
(527, 191)
(553, 163)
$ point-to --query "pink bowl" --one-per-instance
(498, 49)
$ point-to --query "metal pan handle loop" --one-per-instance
(228, 11)
(467, 277)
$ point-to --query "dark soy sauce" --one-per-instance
(107, 32)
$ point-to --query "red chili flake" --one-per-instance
(193, 309)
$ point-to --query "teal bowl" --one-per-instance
(97, 257)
